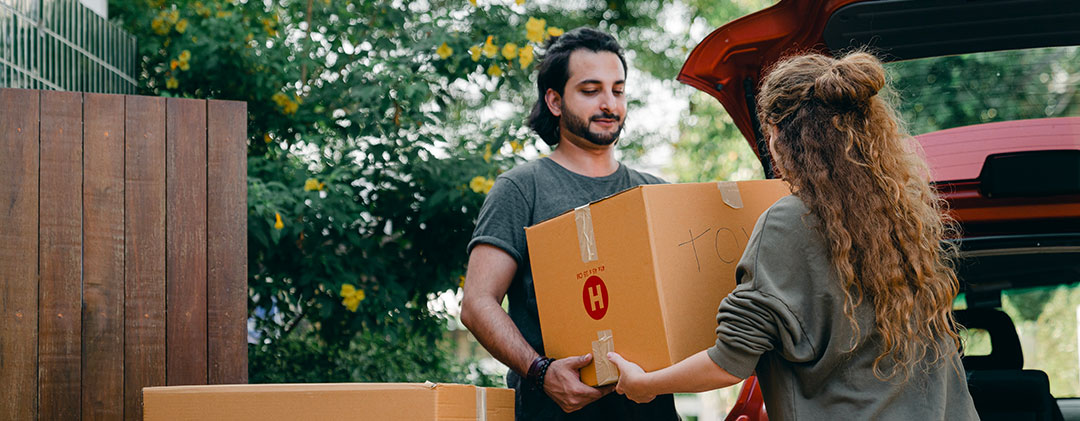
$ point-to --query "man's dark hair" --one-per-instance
(554, 71)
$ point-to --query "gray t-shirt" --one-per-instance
(524, 196)
(785, 320)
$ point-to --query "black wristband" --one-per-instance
(543, 373)
(534, 368)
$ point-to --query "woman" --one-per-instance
(843, 306)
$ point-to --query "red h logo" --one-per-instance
(595, 297)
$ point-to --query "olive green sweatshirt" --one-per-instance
(785, 319)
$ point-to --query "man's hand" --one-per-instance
(563, 384)
(630, 380)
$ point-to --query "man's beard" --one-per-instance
(580, 128)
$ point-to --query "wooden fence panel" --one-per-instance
(227, 219)
(106, 285)
(60, 259)
(19, 253)
(144, 250)
(185, 227)
(103, 265)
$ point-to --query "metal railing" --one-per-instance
(63, 45)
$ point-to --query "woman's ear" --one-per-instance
(554, 102)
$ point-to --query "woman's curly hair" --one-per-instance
(844, 151)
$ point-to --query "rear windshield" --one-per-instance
(939, 93)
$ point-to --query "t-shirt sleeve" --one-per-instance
(758, 315)
(503, 218)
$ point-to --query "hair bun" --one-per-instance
(852, 80)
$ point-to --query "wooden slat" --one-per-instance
(103, 258)
(227, 246)
(144, 249)
(60, 231)
(18, 253)
(185, 187)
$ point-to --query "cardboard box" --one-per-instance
(647, 268)
(328, 401)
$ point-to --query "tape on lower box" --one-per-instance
(586, 241)
(729, 191)
(481, 404)
(606, 371)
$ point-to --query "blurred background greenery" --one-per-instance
(375, 130)
(376, 127)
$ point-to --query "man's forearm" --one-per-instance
(493, 328)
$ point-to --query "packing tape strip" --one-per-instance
(586, 241)
(481, 404)
(606, 371)
(729, 191)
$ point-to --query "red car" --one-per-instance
(990, 89)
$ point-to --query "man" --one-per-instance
(580, 110)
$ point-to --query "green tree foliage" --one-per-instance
(376, 129)
(710, 147)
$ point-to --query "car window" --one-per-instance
(1046, 322)
(939, 93)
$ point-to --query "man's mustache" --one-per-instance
(606, 116)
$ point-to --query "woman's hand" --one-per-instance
(631, 380)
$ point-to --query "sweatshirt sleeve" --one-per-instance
(763, 312)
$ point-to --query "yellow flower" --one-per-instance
(510, 51)
(278, 225)
(553, 31)
(181, 26)
(461, 281)
(159, 26)
(351, 303)
(473, 2)
(280, 99)
(519, 2)
(185, 66)
(266, 138)
(487, 153)
(351, 297)
(185, 55)
(223, 14)
(515, 146)
(444, 51)
(490, 49)
(172, 83)
(494, 70)
(488, 184)
(526, 56)
(312, 184)
(290, 108)
(173, 64)
(534, 29)
(173, 16)
(268, 26)
(474, 51)
(477, 183)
